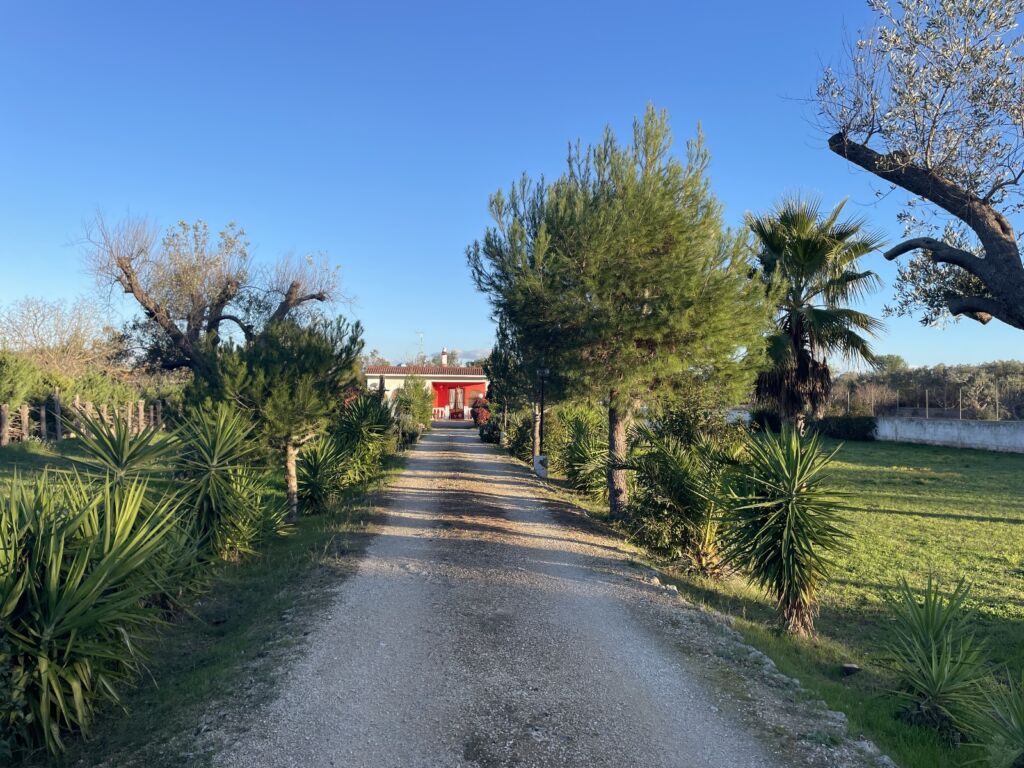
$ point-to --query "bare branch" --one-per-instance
(980, 308)
(939, 252)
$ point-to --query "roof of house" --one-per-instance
(425, 370)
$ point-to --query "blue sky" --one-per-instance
(375, 132)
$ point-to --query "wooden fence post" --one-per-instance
(42, 422)
(25, 423)
(58, 428)
(152, 416)
(5, 424)
(128, 417)
(159, 414)
(140, 417)
(104, 416)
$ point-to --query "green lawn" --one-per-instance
(915, 510)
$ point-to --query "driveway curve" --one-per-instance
(489, 625)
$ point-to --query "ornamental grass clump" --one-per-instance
(79, 559)
(938, 662)
(784, 522)
(365, 432)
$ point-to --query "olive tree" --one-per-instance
(194, 290)
(931, 100)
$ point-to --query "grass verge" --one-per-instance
(915, 510)
(222, 653)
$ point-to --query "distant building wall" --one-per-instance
(959, 433)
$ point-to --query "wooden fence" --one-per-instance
(46, 421)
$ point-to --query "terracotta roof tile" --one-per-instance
(424, 370)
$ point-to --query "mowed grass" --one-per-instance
(914, 510)
(219, 655)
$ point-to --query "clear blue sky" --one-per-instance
(376, 131)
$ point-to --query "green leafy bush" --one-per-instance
(490, 431)
(676, 508)
(77, 562)
(413, 405)
(846, 427)
(783, 522)
(580, 449)
(520, 434)
(936, 658)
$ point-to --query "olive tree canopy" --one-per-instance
(189, 285)
(931, 100)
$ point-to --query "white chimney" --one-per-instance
(444, 356)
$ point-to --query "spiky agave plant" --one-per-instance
(784, 521)
(937, 660)
(75, 571)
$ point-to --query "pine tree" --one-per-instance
(622, 273)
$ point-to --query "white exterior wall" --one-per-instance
(1005, 436)
(392, 382)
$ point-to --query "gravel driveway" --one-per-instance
(488, 625)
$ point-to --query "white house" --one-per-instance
(455, 387)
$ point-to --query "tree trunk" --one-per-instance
(536, 429)
(291, 454)
(618, 496)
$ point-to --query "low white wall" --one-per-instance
(959, 433)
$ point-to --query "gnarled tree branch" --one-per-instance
(980, 308)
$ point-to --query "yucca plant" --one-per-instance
(1002, 726)
(220, 487)
(365, 431)
(677, 505)
(75, 570)
(783, 522)
(321, 475)
(938, 663)
(115, 450)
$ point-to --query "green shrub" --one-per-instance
(580, 449)
(1003, 727)
(936, 658)
(490, 431)
(520, 434)
(413, 405)
(116, 451)
(77, 562)
(675, 510)
(846, 427)
(783, 522)
(320, 474)
(365, 432)
(225, 495)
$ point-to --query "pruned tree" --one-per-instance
(931, 100)
(194, 290)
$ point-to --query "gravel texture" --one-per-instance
(488, 624)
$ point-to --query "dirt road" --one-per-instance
(489, 625)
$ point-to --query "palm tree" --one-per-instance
(810, 263)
